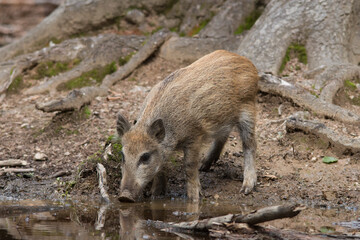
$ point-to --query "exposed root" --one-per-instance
(74, 101)
(275, 85)
(225, 22)
(78, 98)
(95, 52)
(334, 77)
(71, 17)
(340, 142)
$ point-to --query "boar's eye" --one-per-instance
(145, 158)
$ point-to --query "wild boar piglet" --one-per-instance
(194, 105)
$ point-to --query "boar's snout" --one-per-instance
(126, 196)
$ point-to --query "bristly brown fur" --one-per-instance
(198, 103)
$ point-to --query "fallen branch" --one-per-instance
(13, 163)
(102, 182)
(79, 97)
(274, 85)
(16, 170)
(343, 143)
(259, 216)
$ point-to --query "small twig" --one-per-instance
(102, 182)
(13, 163)
(16, 170)
(109, 98)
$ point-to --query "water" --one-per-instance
(78, 220)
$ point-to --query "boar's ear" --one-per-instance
(157, 130)
(122, 125)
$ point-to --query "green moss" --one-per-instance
(248, 22)
(124, 60)
(350, 85)
(116, 148)
(51, 68)
(16, 85)
(93, 77)
(86, 111)
(198, 28)
(174, 29)
(55, 40)
(294, 50)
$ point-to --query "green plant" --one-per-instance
(350, 85)
(294, 50)
(248, 22)
(198, 27)
(51, 68)
(16, 85)
(124, 60)
(89, 78)
(86, 111)
(64, 187)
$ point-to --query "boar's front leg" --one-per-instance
(158, 187)
(192, 164)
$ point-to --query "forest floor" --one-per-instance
(289, 164)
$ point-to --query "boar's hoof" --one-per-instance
(205, 167)
(126, 197)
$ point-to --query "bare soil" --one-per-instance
(290, 166)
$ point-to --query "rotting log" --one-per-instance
(79, 97)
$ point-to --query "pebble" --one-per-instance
(40, 157)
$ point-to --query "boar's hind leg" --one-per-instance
(192, 163)
(246, 127)
(158, 186)
(214, 153)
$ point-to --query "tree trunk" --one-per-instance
(324, 27)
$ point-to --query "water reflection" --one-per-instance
(129, 221)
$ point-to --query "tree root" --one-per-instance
(71, 17)
(274, 85)
(335, 76)
(91, 51)
(79, 97)
(74, 100)
(341, 143)
(259, 216)
(225, 22)
(186, 50)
